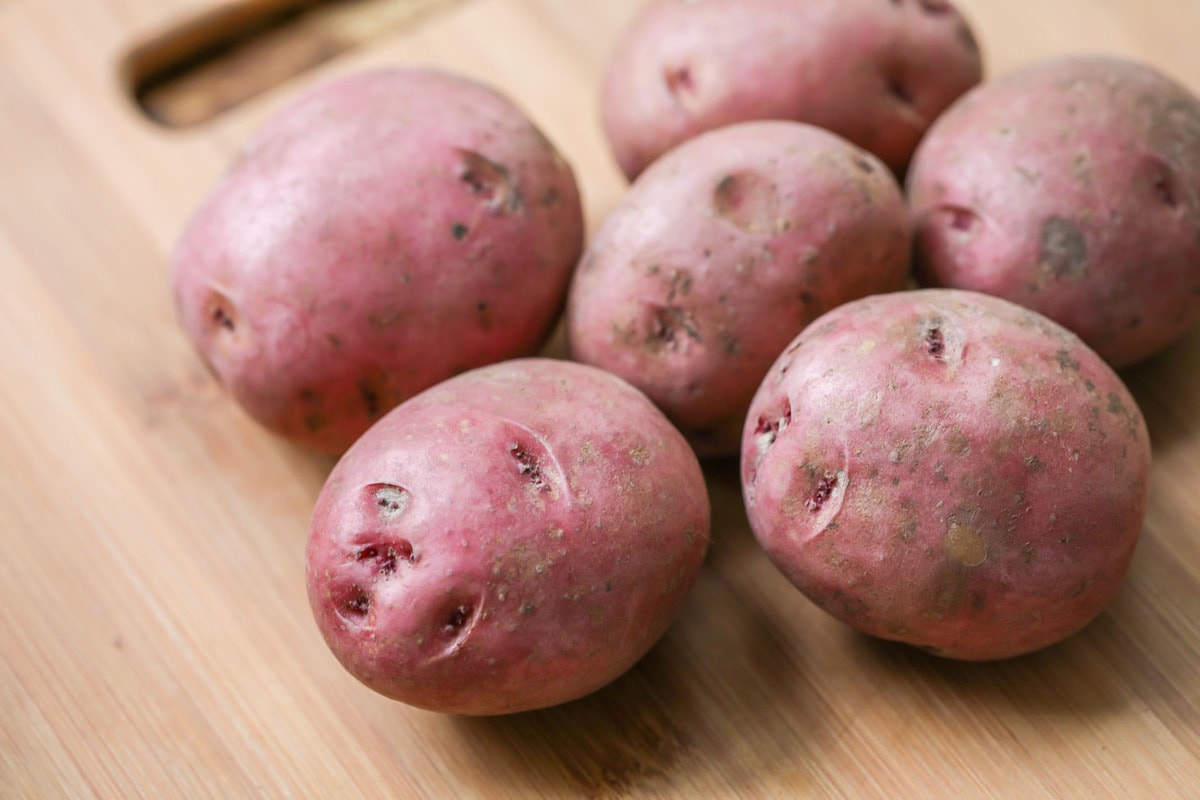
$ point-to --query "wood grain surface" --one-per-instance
(155, 638)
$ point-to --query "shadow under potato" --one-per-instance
(1160, 385)
(1048, 682)
(721, 698)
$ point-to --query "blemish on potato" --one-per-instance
(1063, 249)
(1031, 176)
(491, 181)
(681, 283)
(749, 200)
(387, 556)
(640, 455)
(390, 500)
(665, 325)
(370, 396)
(222, 314)
(933, 340)
(680, 81)
(730, 344)
(863, 163)
(458, 618)
(459, 231)
(529, 466)
(1066, 361)
(965, 545)
(356, 606)
(960, 220)
(771, 426)
(822, 493)
(1115, 406)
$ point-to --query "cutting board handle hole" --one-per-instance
(214, 62)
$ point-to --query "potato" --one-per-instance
(512, 538)
(1070, 186)
(720, 254)
(874, 71)
(383, 232)
(947, 469)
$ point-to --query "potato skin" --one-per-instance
(873, 71)
(383, 232)
(947, 469)
(513, 538)
(1070, 186)
(720, 253)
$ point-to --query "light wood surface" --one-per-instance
(155, 639)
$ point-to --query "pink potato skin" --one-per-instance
(720, 253)
(1072, 187)
(513, 538)
(383, 232)
(947, 469)
(873, 71)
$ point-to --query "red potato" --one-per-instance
(947, 469)
(720, 254)
(513, 538)
(874, 71)
(383, 232)
(1072, 187)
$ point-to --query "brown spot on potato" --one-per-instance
(459, 231)
(668, 326)
(863, 163)
(529, 465)
(1063, 249)
(750, 200)
(489, 180)
(965, 545)
(1115, 406)
(957, 442)
(369, 392)
(680, 81)
(1066, 361)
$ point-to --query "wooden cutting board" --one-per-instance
(155, 639)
